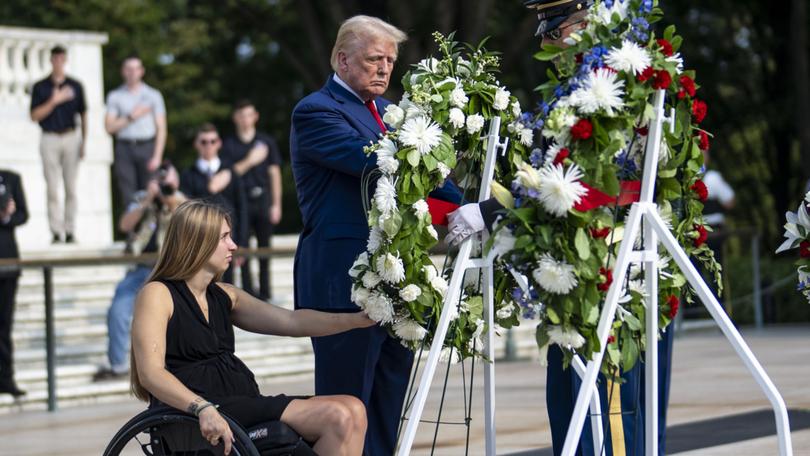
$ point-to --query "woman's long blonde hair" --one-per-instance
(191, 238)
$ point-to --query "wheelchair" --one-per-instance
(164, 431)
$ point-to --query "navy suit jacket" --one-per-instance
(329, 130)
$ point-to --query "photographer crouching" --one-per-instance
(145, 221)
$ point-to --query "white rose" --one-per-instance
(504, 312)
(501, 99)
(430, 272)
(388, 165)
(439, 284)
(360, 296)
(420, 208)
(458, 98)
(444, 170)
(516, 112)
(410, 293)
(371, 279)
(456, 118)
(475, 123)
(394, 115)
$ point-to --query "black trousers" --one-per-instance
(8, 290)
(130, 167)
(259, 225)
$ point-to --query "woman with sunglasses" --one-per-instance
(183, 342)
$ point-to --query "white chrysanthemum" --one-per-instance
(394, 115)
(601, 14)
(458, 98)
(551, 154)
(380, 308)
(375, 240)
(385, 196)
(444, 170)
(602, 89)
(432, 232)
(387, 148)
(421, 133)
(439, 284)
(456, 118)
(565, 337)
(475, 122)
(420, 208)
(371, 279)
(527, 176)
(554, 276)
(390, 268)
(501, 101)
(526, 136)
(504, 242)
(794, 221)
(360, 296)
(630, 58)
(430, 272)
(410, 293)
(388, 165)
(516, 112)
(409, 330)
(560, 189)
(362, 260)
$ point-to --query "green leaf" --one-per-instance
(541, 336)
(552, 316)
(392, 224)
(582, 244)
(413, 158)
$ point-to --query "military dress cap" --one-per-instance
(552, 13)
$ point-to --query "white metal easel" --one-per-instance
(655, 231)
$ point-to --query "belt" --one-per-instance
(61, 132)
(134, 142)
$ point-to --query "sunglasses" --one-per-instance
(208, 142)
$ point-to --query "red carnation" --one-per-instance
(578, 58)
(643, 131)
(666, 47)
(688, 85)
(600, 233)
(583, 129)
(662, 80)
(561, 155)
(611, 339)
(699, 110)
(702, 235)
(646, 74)
(608, 275)
(704, 140)
(700, 188)
(674, 303)
(804, 249)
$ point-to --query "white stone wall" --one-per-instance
(24, 59)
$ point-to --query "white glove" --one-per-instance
(463, 223)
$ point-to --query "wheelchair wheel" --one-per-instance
(164, 432)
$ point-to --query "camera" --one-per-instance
(166, 189)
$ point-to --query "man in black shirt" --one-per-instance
(210, 180)
(55, 103)
(255, 156)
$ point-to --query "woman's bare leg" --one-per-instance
(337, 424)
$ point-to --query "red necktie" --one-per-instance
(373, 108)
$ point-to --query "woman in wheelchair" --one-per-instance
(183, 342)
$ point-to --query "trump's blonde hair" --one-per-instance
(359, 29)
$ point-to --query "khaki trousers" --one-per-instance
(60, 159)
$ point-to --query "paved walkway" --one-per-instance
(709, 383)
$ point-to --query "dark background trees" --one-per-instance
(751, 59)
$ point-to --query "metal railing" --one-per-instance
(47, 265)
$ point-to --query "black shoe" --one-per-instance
(69, 238)
(107, 374)
(56, 239)
(11, 388)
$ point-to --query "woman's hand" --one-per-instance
(214, 428)
(361, 320)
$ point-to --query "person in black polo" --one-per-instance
(56, 102)
(210, 180)
(255, 156)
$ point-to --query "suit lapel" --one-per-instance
(352, 105)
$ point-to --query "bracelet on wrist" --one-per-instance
(204, 406)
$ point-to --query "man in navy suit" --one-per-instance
(329, 130)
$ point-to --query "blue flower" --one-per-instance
(536, 158)
(645, 7)
(627, 166)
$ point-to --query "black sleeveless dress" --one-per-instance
(201, 355)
